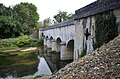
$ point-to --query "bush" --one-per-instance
(8, 43)
(23, 40)
(106, 28)
(35, 42)
(83, 52)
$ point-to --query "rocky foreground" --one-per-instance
(104, 63)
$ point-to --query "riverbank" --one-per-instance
(19, 42)
(103, 63)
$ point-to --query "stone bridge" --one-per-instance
(60, 38)
(71, 37)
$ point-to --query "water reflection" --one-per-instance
(52, 59)
(30, 64)
(18, 64)
(43, 68)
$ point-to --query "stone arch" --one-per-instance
(46, 37)
(51, 38)
(50, 42)
(58, 41)
(42, 34)
(70, 49)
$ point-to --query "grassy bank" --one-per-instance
(21, 41)
(14, 61)
(8, 43)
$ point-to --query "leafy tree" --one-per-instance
(26, 14)
(18, 20)
(45, 23)
(62, 16)
(7, 22)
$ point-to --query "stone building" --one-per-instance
(85, 23)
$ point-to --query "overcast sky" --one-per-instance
(49, 8)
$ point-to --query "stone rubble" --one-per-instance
(103, 63)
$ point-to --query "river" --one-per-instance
(25, 63)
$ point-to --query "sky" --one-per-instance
(49, 8)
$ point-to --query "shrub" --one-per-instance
(83, 52)
(8, 43)
(106, 28)
(23, 40)
(36, 42)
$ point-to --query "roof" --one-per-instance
(59, 25)
(97, 7)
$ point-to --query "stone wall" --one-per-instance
(103, 63)
(35, 35)
(117, 14)
(96, 8)
(85, 18)
(65, 34)
(80, 38)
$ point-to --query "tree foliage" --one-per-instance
(27, 15)
(62, 16)
(17, 20)
(106, 28)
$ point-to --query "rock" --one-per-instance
(103, 63)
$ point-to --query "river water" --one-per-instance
(29, 64)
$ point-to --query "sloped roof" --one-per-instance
(97, 7)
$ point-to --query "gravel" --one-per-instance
(103, 63)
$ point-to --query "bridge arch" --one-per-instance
(51, 38)
(46, 37)
(58, 41)
(70, 49)
(42, 34)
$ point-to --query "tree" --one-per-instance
(7, 22)
(45, 23)
(26, 14)
(19, 19)
(62, 16)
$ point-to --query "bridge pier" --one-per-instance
(55, 57)
(45, 41)
(45, 45)
(53, 45)
(49, 44)
(63, 55)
